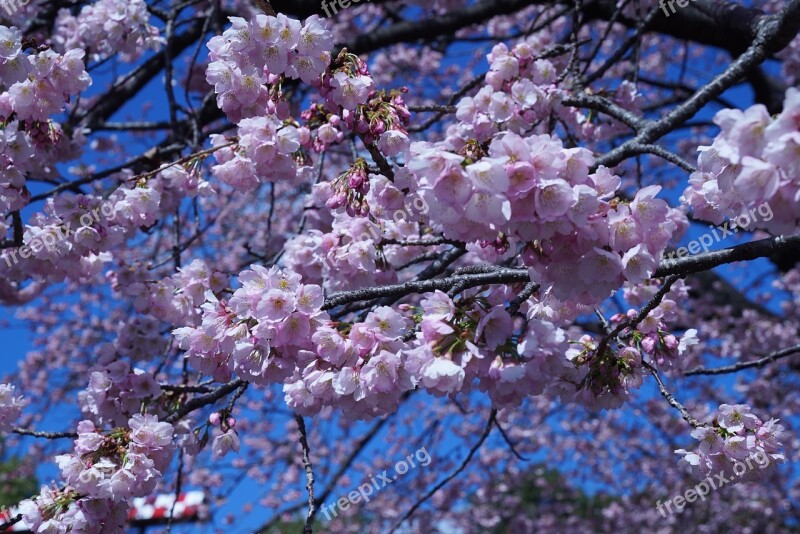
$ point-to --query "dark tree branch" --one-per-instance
(671, 398)
(46, 435)
(312, 505)
(198, 402)
(772, 34)
(761, 362)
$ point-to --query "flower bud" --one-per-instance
(670, 342)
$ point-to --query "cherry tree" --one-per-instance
(274, 256)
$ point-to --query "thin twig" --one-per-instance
(198, 402)
(486, 431)
(745, 365)
(643, 313)
(670, 398)
(508, 441)
(11, 522)
(312, 504)
(46, 435)
(529, 289)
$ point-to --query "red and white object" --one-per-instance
(158, 506)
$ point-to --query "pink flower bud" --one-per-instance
(354, 180)
(648, 344)
(377, 128)
(670, 342)
(214, 418)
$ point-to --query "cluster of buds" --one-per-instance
(652, 338)
(383, 112)
(44, 134)
(346, 63)
(610, 375)
(350, 93)
(222, 419)
(277, 104)
(327, 125)
(228, 439)
(500, 244)
(349, 190)
(473, 151)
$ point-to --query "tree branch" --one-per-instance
(312, 505)
(744, 365)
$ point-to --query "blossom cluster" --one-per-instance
(35, 86)
(271, 330)
(353, 252)
(73, 234)
(258, 331)
(108, 27)
(103, 473)
(86, 226)
(735, 434)
(576, 237)
(347, 85)
(252, 54)
(10, 407)
(65, 510)
(119, 464)
(115, 392)
(352, 103)
(40, 83)
(364, 367)
(522, 90)
(264, 152)
(752, 161)
(248, 63)
(174, 299)
(479, 342)
(376, 116)
(516, 96)
(359, 368)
